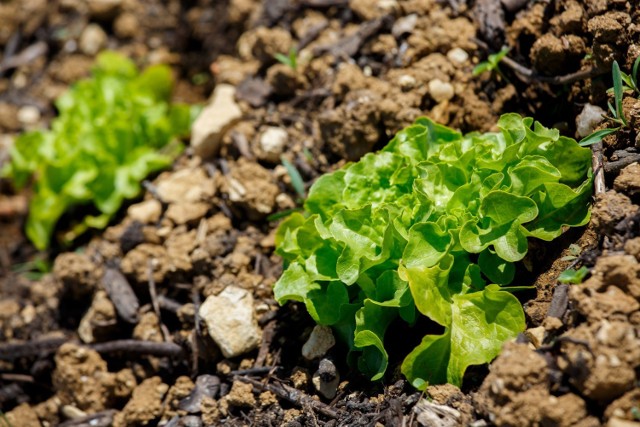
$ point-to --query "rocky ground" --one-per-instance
(145, 324)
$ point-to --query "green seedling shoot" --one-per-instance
(621, 83)
(573, 276)
(492, 63)
(290, 60)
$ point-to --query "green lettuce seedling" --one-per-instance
(432, 226)
(112, 131)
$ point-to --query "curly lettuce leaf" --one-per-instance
(480, 323)
(112, 131)
(432, 226)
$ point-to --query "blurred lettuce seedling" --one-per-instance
(113, 130)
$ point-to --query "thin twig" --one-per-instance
(618, 165)
(20, 378)
(152, 348)
(598, 169)
(169, 304)
(528, 75)
(26, 56)
(12, 351)
(292, 395)
(254, 371)
(267, 337)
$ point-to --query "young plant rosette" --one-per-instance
(431, 226)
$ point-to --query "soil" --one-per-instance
(117, 331)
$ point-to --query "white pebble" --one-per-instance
(590, 117)
(458, 56)
(319, 342)
(272, 142)
(407, 82)
(440, 91)
(92, 39)
(28, 115)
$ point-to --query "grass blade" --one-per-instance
(293, 58)
(283, 59)
(617, 91)
(628, 81)
(481, 68)
(634, 73)
(497, 57)
(574, 277)
(596, 136)
(282, 214)
(296, 179)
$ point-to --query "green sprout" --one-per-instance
(617, 114)
(290, 60)
(33, 270)
(631, 80)
(574, 251)
(296, 179)
(621, 83)
(492, 63)
(298, 185)
(573, 276)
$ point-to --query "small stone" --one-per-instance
(214, 121)
(103, 9)
(536, 335)
(458, 56)
(552, 324)
(230, 319)
(71, 412)
(319, 342)
(126, 25)
(440, 91)
(184, 186)
(28, 115)
(590, 117)
(272, 143)
(187, 213)
(92, 40)
(628, 181)
(326, 379)
(404, 25)
(147, 212)
(407, 82)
